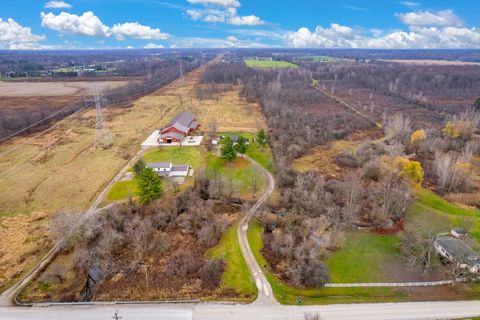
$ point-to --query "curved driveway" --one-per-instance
(265, 293)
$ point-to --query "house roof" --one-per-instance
(459, 250)
(183, 122)
(180, 167)
(160, 165)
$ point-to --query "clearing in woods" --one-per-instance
(321, 159)
(62, 170)
(252, 63)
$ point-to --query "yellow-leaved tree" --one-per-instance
(411, 169)
(417, 136)
(450, 130)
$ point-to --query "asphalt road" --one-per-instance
(381, 311)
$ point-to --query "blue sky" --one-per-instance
(84, 24)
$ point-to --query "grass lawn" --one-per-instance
(236, 275)
(269, 64)
(122, 190)
(364, 258)
(194, 156)
(431, 206)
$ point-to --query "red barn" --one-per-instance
(180, 126)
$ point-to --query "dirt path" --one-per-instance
(265, 293)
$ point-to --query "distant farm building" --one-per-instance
(177, 129)
(456, 251)
(167, 169)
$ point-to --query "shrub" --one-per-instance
(211, 272)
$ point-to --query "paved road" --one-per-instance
(381, 311)
(265, 293)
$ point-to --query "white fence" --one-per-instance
(393, 284)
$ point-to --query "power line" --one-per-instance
(102, 135)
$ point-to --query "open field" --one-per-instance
(252, 63)
(321, 159)
(67, 88)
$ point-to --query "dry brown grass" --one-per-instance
(322, 159)
(62, 169)
(42, 89)
(22, 244)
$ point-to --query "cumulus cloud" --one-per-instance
(245, 20)
(137, 31)
(445, 18)
(16, 37)
(87, 24)
(417, 37)
(153, 46)
(223, 3)
(57, 5)
(222, 11)
(229, 16)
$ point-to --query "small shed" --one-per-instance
(458, 232)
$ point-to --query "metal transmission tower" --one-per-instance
(102, 135)
(182, 79)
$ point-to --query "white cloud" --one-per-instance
(410, 4)
(445, 18)
(57, 5)
(417, 37)
(137, 31)
(223, 3)
(87, 24)
(222, 11)
(153, 46)
(245, 20)
(16, 37)
(228, 15)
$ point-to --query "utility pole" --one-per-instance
(102, 135)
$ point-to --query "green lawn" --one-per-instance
(236, 275)
(194, 156)
(290, 295)
(365, 257)
(252, 63)
(121, 190)
(431, 207)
